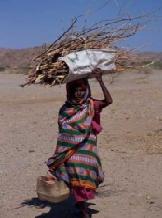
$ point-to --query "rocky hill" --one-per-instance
(17, 60)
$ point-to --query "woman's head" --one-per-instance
(78, 90)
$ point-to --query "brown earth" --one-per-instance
(130, 147)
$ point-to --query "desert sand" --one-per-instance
(130, 147)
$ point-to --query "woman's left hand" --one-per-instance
(107, 97)
(98, 74)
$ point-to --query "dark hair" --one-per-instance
(71, 86)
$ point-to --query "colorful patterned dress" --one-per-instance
(76, 159)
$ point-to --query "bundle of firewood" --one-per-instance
(48, 69)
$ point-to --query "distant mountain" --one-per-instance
(18, 60)
(151, 56)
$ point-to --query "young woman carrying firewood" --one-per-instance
(76, 160)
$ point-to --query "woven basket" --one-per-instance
(51, 190)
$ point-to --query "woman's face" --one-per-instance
(79, 92)
(77, 89)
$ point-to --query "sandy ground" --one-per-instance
(130, 147)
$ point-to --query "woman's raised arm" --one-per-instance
(107, 97)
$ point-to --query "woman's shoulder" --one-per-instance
(98, 104)
(63, 108)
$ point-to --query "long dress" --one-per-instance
(76, 160)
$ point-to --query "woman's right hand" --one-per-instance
(50, 175)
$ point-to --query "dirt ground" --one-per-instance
(130, 147)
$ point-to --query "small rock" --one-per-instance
(30, 151)
(148, 197)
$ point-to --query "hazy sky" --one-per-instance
(28, 23)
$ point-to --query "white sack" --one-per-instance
(82, 63)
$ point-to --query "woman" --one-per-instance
(75, 159)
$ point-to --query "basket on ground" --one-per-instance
(51, 190)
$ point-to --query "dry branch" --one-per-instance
(48, 69)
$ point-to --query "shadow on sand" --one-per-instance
(65, 209)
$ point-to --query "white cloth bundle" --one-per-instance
(82, 63)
